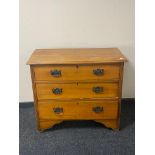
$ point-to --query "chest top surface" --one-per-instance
(76, 56)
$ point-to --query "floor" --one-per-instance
(77, 137)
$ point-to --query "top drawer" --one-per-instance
(76, 72)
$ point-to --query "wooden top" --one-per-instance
(76, 56)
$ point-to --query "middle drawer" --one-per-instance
(80, 90)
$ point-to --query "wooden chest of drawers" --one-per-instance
(77, 84)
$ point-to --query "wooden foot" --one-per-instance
(43, 125)
(114, 124)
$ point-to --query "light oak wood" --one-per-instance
(80, 110)
(43, 73)
(111, 72)
(80, 90)
(110, 123)
(35, 97)
(76, 56)
(76, 72)
(77, 81)
(43, 125)
(120, 91)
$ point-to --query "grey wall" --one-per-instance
(81, 23)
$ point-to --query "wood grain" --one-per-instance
(76, 56)
(35, 97)
(43, 125)
(76, 72)
(111, 72)
(80, 90)
(79, 110)
(110, 123)
(77, 81)
(120, 91)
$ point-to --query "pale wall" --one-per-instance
(75, 24)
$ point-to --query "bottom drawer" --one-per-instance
(82, 110)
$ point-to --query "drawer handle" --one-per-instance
(56, 73)
(98, 72)
(98, 89)
(98, 109)
(57, 91)
(58, 110)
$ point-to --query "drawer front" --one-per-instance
(78, 110)
(80, 90)
(55, 73)
(98, 72)
(73, 72)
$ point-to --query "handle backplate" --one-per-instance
(97, 109)
(58, 110)
(98, 72)
(57, 91)
(56, 73)
(98, 89)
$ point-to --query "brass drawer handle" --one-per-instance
(58, 110)
(57, 91)
(98, 72)
(56, 73)
(98, 89)
(98, 109)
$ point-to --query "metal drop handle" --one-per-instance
(98, 109)
(57, 91)
(58, 110)
(98, 72)
(98, 89)
(55, 73)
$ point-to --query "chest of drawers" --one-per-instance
(77, 84)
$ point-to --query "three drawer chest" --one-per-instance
(77, 84)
